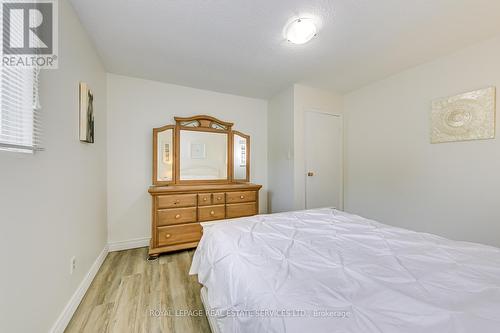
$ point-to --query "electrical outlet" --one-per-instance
(72, 266)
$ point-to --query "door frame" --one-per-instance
(342, 152)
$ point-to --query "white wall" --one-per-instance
(286, 142)
(280, 154)
(53, 203)
(135, 107)
(396, 176)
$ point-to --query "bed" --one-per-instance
(325, 270)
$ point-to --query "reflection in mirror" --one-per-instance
(165, 155)
(240, 154)
(203, 155)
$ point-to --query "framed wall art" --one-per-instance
(468, 116)
(86, 114)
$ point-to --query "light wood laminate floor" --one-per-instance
(128, 288)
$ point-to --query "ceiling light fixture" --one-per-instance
(301, 30)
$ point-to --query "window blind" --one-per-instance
(19, 114)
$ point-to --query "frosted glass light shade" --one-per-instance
(300, 31)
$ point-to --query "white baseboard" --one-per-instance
(69, 310)
(129, 244)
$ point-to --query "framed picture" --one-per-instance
(198, 151)
(86, 114)
(469, 116)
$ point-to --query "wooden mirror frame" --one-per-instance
(201, 123)
(246, 137)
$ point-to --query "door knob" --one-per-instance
(310, 174)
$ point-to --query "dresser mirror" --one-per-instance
(203, 155)
(163, 147)
(241, 157)
(200, 150)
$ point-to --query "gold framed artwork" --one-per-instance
(468, 116)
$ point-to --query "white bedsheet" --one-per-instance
(359, 275)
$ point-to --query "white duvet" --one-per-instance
(336, 272)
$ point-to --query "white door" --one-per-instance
(323, 152)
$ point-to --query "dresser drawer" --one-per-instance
(239, 210)
(234, 197)
(177, 234)
(218, 198)
(210, 213)
(204, 199)
(176, 216)
(178, 200)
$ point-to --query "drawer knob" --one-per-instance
(168, 235)
(219, 198)
(205, 199)
(178, 216)
(242, 197)
(176, 202)
(212, 213)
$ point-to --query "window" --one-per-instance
(243, 153)
(19, 121)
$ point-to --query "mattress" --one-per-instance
(328, 271)
(213, 319)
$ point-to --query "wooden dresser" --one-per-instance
(179, 209)
(201, 172)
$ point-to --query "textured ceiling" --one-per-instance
(237, 46)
